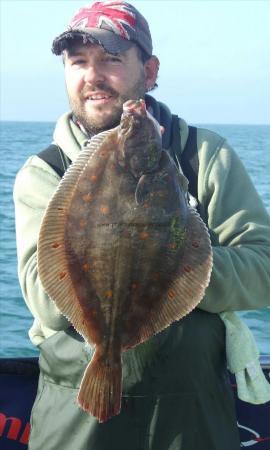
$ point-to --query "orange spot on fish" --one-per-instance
(104, 209)
(86, 267)
(134, 286)
(55, 245)
(143, 235)
(62, 275)
(93, 178)
(187, 269)
(87, 198)
(146, 205)
(109, 294)
(83, 223)
(171, 294)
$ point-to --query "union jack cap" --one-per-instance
(115, 25)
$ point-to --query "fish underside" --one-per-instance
(120, 252)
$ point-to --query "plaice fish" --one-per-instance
(120, 251)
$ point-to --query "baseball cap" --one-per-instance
(115, 25)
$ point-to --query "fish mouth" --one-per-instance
(135, 107)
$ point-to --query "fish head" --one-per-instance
(139, 139)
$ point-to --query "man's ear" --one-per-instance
(151, 67)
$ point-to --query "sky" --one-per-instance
(214, 55)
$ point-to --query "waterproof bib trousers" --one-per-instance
(176, 393)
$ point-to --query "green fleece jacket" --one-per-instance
(229, 204)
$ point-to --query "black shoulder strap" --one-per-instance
(188, 159)
(56, 158)
(163, 115)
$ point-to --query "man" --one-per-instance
(176, 394)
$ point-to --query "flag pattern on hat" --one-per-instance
(114, 14)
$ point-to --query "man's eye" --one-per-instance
(113, 59)
(78, 62)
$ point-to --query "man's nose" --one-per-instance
(93, 73)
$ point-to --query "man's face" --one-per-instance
(98, 84)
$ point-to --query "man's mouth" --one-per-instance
(98, 97)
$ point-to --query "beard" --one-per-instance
(96, 124)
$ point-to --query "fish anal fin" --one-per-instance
(101, 387)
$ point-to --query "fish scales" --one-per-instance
(127, 253)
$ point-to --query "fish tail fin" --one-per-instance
(101, 387)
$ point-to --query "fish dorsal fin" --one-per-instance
(53, 267)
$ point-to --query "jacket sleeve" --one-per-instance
(34, 186)
(240, 233)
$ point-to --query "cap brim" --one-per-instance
(111, 42)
